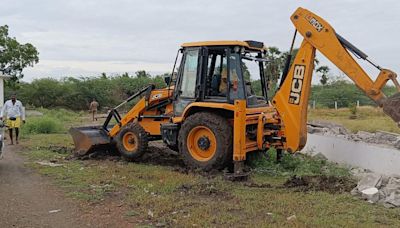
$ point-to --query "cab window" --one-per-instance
(189, 76)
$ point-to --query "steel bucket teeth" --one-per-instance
(392, 107)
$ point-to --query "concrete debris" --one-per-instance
(397, 144)
(369, 180)
(359, 173)
(293, 217)
(370, 194)
(54, 211)
(376, 188)
(51, 164)
(330, 129)
(150, 213)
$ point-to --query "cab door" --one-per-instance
(188, 85)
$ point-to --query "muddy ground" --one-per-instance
(27, 199)
(32, 200)
(158, 154)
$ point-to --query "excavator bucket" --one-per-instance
(392, 107)
(89, 139)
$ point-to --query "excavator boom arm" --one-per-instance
(323, 37)
(291, 100)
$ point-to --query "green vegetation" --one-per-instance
(14, 57)
(161, 194)
(53, 121)
(298, 164)
(369, 119)
(344, 92)
(147, 192)
(43, 125)
(76, 94)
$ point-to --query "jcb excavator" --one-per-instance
(209, 112)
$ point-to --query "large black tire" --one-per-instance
(132, 141)
(223, 133)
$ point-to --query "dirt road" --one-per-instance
(27, 199)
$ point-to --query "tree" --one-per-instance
(273, 69)
(142, 74)
(14, 57)
(324, 71)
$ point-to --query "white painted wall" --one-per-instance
(379, 159)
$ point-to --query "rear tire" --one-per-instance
(205, 141)
(132, 141)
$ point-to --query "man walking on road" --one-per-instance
(93, 108)
(15, 112)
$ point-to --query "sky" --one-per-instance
(87, 37)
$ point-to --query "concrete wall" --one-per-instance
(380, 159)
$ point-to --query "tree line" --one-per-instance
(76, 93)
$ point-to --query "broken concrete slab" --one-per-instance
(314, 130)
(331, 129)
(397, 144)
(393, 198)
(386, 189)
(363, 135)
(370, 194)
(358, 172)
(369, 180)
(51, 164)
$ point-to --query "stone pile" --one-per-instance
(377, 188)
(331, 129)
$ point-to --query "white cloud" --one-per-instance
(89, 37)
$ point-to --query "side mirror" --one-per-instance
(167, 79)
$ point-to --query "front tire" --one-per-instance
(132, 141)
(205, 141)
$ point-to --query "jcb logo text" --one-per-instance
(297, 84)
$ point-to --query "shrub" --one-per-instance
(60, 114)
(42, 125)
(353, 110)
(294, 164)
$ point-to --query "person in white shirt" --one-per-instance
(15, 112)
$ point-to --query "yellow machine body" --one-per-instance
(281, 124)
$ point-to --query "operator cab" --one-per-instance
(221, 71)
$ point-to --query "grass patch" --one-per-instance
(188, 199)
(42, 125)
(156, 194)
(369, 119)
(61, 114)
(297, 164)
(52, 121)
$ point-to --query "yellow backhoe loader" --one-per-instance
(209, 112)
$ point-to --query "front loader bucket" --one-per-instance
(88, 139)
(392, 107)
